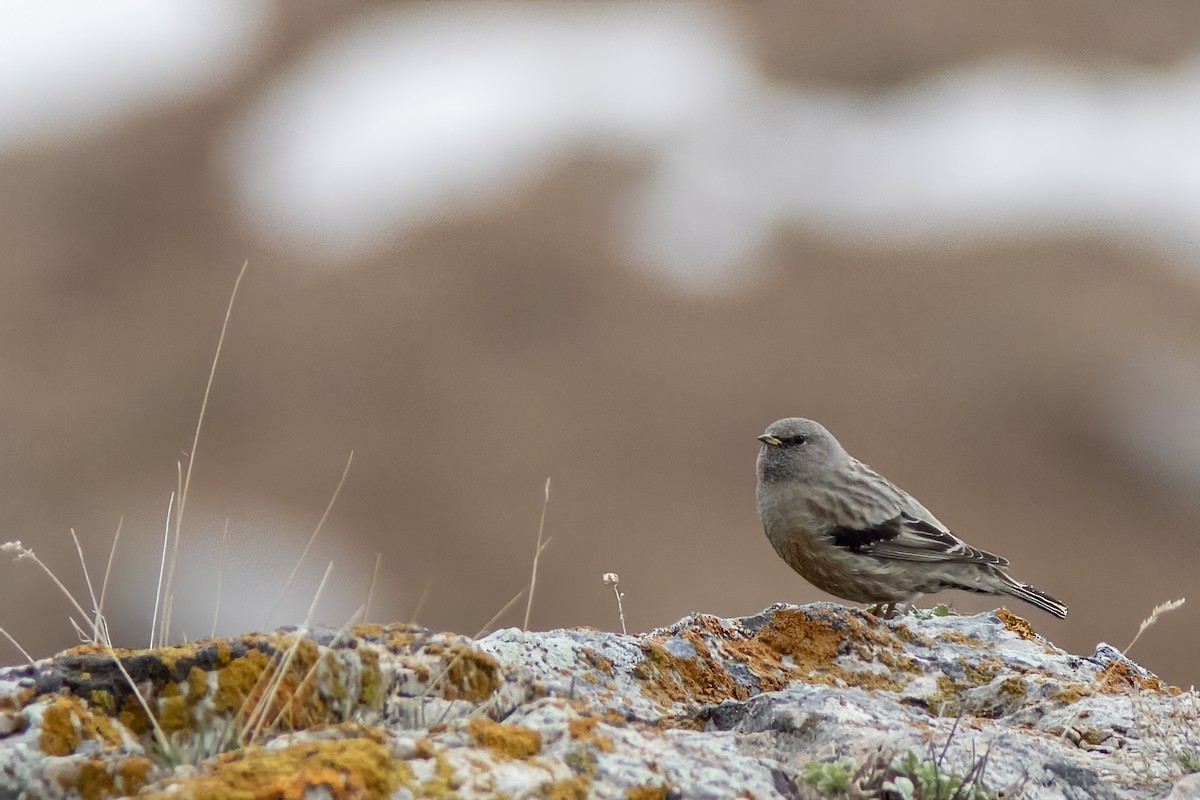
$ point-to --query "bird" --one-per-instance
(851, 532)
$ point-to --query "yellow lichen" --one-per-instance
(572, 789)
(509, 741)
(237, 679)
(423, 749)
(197, 682)
(444, 781)
(982, 671)
(399, 638)
(173, 713)
(95, 780)
(957, 637)
(471, 675)
(102, 700)
(293, 701)
(345, 768)
(946, 694)
(1013, 687)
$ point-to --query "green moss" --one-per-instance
(370, 694)
(582, 761)
(102, 700)
(830, 777)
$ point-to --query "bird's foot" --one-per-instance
(883, 610)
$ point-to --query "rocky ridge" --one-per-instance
(793, 702)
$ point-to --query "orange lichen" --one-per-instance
(60, 733)
(596, 660)
(584, 729)
(796, 643)
(1018, 625)
(133, 716)
(368, 630)
(1071, 692)
(67, 721)
(957, 637)
(811, 642)
(399, 638)
(1120, 677)
(614, 717)
(18, 699)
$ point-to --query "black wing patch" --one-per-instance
(909, 538)
(863, 540)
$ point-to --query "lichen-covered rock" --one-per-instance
(707, 708)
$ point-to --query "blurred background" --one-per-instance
(604, 243)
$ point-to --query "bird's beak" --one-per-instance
(767, 438)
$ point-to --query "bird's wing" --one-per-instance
(909, 538)
(889, 523)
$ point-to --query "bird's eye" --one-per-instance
(794, 440)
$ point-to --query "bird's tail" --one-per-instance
(1023, 591)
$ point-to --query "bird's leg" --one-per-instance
(883, 610)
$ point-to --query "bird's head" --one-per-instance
(797, 449)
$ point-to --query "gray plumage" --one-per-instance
(853, 533)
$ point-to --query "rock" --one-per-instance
(783, 704)
(1188, 788)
